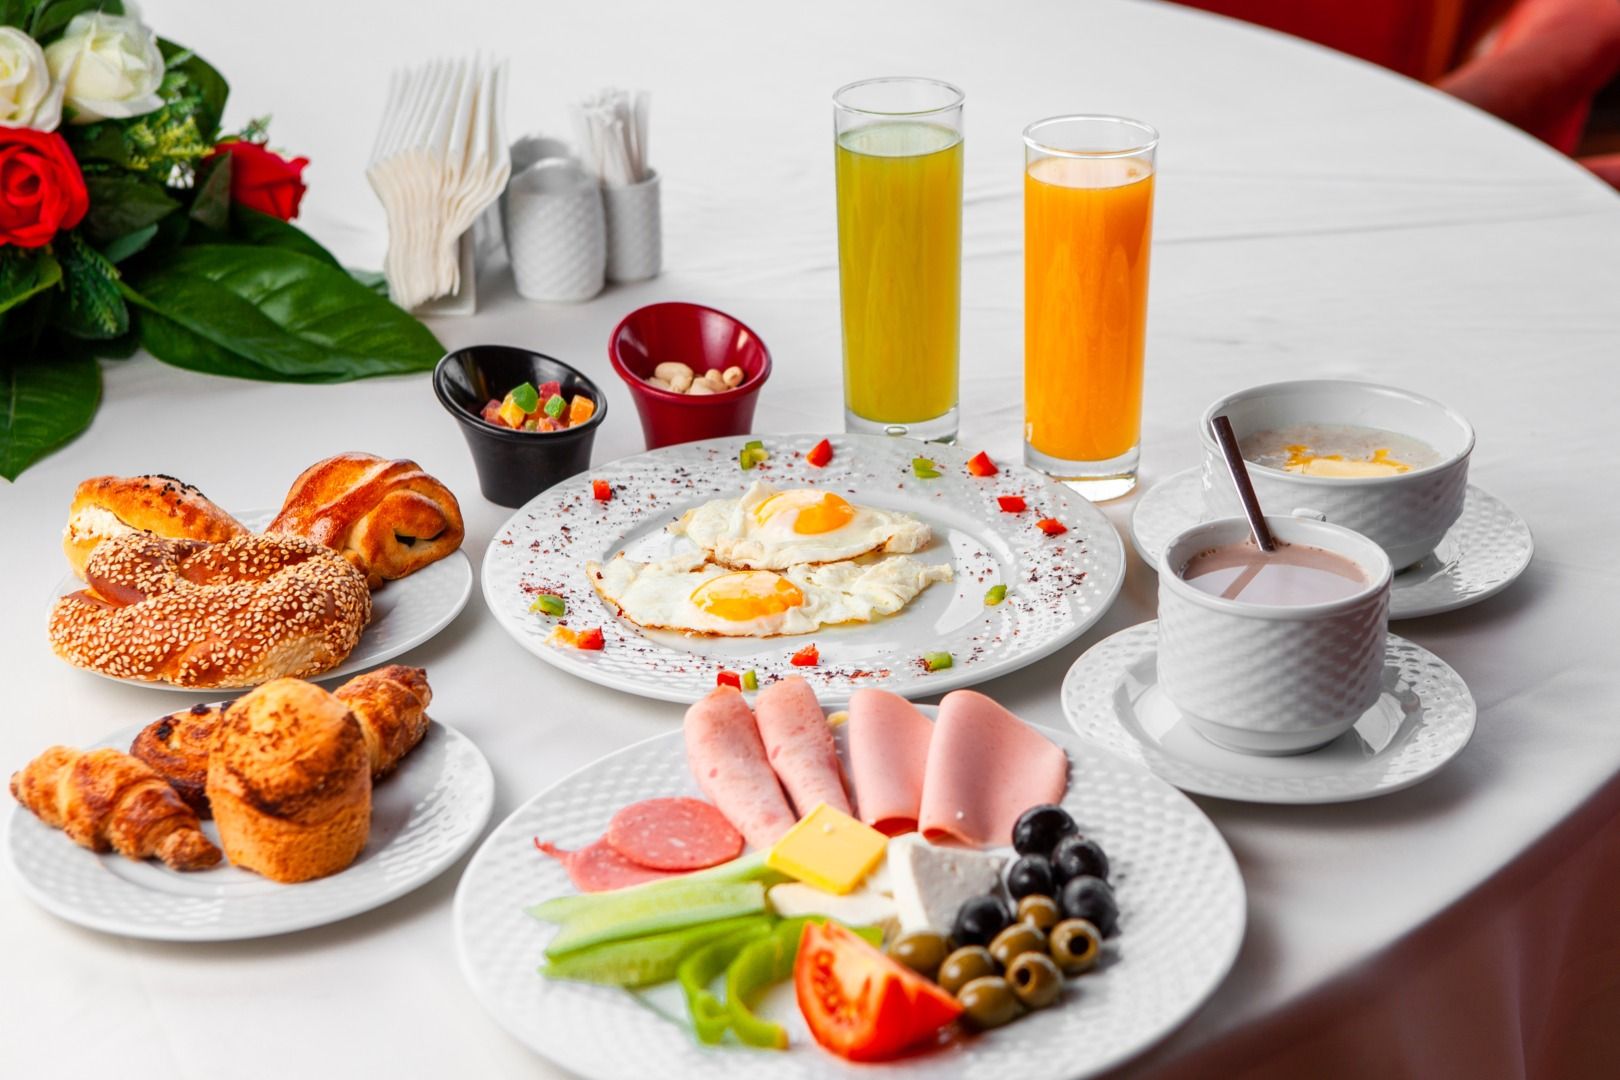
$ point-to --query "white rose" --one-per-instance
(108, 65)
(28, 97)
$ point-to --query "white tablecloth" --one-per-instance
(1315, 217)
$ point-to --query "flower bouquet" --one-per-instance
(128, 220)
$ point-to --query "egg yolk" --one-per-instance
(746, 595)
(1303, 460)
(814, 512)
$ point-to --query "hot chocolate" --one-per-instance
(1293, 575)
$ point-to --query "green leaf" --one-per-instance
(44, 403)
(101, 142)
(122, 204)
(24, 274)
(254, 227)
(52, 16)
(129, 244)
(207, 81)
(17, 12)
(212, 205)
(284, 311)
(374, 280)
(91, 305)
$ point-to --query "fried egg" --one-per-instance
(688, 593)
(771, 529)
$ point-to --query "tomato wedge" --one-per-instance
(860, 1004)
(820, 454)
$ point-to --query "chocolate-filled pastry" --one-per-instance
(388, 518)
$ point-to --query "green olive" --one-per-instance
(1075, 944)
(923, 951)
(988, 1002)
(1035, 979)
(963, 966)
(1041, 912)
(1018, 938)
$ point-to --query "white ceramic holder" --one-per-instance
(556, 236)
(464, 299)
(635, 248)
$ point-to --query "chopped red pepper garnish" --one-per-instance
(820, 454)
(1012, 504)
(981, 465)
(601, 490)
(809, 656)
(1051, 526)
(728, 678)
(590, 639)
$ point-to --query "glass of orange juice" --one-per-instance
(1088, 225)
(898, 159)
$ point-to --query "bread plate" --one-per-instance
(404, 614)
(424, 817)
(1057, 585)
(1182, 919)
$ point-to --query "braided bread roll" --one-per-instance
(106, 800)
(388, 518)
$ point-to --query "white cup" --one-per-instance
(556, 235)
(635, 244)
(1265, 678)
(1406, 514)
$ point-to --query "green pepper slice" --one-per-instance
(709, 1015)
(763, 963)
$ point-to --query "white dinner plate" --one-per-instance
(1181, 905)
(1423, 719)
(423, 818)
(404, 614)
(1057, 586)
(1482, 554)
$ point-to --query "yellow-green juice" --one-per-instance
(900, 268)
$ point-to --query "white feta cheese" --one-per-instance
(863, 907)
(931, 881)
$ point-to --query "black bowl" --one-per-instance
(515, 466)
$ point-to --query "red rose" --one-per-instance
(262, 180)
(41, 188)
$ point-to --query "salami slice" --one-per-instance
(598, 868)
(673, 834)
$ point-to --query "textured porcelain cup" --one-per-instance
(1272, 679)
(1406, 514)
(556, 234)
(635, 230)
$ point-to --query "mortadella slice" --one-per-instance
(799, 745)
(724, 752)
(986, 767)
(888, 758)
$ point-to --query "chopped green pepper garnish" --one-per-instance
(754, 444)
(924, 469)
(550, 604)
(750, 680)
(752, 454)
(555, 406)
(526, 397)
(996, 595)
(937, 661)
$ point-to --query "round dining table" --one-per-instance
(1316, 217)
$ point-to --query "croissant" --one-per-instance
(388, 518)
(106, 800)
(391, 705)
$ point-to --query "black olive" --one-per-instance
(1030, 875)
(1076, 855)
(1091, 899)
(979, 920)
(1039, 828)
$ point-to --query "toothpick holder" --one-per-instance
(635, 247)
(556, 237)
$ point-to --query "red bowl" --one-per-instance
(703, 339)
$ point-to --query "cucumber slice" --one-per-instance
(561, 909)
(636, 916)
(644, 961)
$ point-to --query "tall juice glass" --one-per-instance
(1088, 225)
(899, 166)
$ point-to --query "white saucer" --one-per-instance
(1482, 554)
(1423, 720)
